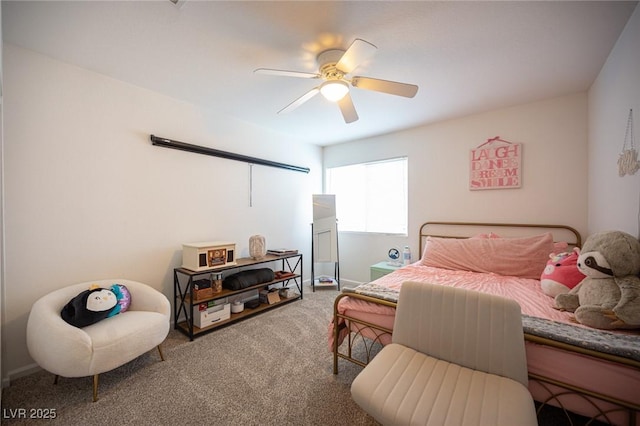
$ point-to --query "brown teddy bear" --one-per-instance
(609, 296)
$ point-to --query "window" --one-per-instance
(370, 197)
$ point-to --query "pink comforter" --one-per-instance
(525, 291)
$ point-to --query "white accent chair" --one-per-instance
(68, 351)
(457, 357)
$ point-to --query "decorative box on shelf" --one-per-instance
(269, 296)
(285, 292)
(208, 255)
(202, 289)
(205, 314)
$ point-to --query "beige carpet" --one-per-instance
(272, 369)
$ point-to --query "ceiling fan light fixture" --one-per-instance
(334, 90)
(334, 65)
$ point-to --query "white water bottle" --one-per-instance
(406, 255)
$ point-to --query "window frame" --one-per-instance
(327, 188)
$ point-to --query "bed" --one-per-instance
(586, 371)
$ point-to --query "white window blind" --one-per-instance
(371, 197)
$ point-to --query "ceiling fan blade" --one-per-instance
(286, 73)
(302, 99)
(356, 54)
(348, 110)
(385, 86)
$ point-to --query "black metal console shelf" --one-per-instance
(183, 279)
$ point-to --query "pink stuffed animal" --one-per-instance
(561, 273)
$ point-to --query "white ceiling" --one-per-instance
(466, 57)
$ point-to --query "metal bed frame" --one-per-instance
(360, 332)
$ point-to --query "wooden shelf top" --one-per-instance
(240, 263)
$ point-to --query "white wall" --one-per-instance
(614, 201)
(554, 186)
(88, 196)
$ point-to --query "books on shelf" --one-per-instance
(323, 281)
(282, 252)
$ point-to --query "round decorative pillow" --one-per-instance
(123, 296)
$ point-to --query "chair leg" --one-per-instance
(95, 387)
(160, 352)
(95, 377)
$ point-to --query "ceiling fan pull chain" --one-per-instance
(628, 161)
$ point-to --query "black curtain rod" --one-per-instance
(182, 146)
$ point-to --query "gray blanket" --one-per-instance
(623, 345)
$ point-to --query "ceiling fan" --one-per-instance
(334, 65)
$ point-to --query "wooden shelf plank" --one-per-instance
(248, 312)
(226, 292)
(240, 263)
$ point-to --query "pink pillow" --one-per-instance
(519, 257)
(560, 246)
(489, 235)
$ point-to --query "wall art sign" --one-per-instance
(496, 164)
